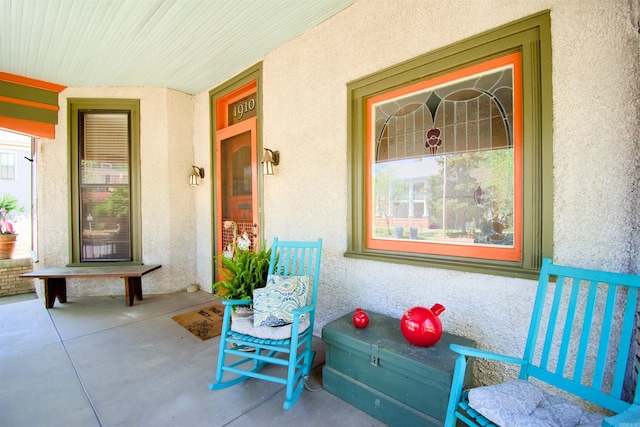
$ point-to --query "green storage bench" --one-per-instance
(377, 370)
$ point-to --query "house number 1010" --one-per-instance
(243, 107)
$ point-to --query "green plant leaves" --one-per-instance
(242, 274)
(10, 203)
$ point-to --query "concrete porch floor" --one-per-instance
(95, 362)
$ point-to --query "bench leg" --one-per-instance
(54, 287)
(133, 288)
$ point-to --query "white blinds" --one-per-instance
(105, 153)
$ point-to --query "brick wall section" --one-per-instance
(10, 281)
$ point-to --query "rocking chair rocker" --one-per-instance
(294, 271)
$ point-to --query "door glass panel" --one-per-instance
(237, 188)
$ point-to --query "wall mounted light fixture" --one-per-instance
(269, 160)
(196, 174)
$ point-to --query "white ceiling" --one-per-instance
(187, 45)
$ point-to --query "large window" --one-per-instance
(443, 155)
(105, 180)
(451, 155)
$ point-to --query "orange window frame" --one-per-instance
(452, 249)
(222, 113)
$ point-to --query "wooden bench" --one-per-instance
(55, 279)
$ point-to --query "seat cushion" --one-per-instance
(244, 325)
(273, 305)
(522, 403)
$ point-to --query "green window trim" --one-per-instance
(531, 37)
(74, 107)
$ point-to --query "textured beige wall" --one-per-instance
(596, 133)
(168, 220)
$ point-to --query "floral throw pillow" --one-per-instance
(273, 305)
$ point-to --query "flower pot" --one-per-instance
(7, 245)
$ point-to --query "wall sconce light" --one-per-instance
(269, 160)
(196, 174)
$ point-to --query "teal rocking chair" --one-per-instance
(580, 335)
(248, 344)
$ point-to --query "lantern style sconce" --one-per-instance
(196, 174)
(269, 160)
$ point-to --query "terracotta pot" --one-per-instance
(7, 245)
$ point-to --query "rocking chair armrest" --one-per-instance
(302, 310)
(627, 418)
(237, 301)
(484, 354)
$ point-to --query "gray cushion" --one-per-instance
(523, 404)
(244, 325)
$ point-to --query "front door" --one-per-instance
(237, 180)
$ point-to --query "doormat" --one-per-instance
(204, 323)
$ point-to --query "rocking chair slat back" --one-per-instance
(582, 327)
(297, 259)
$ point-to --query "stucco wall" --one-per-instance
(596, 133)
(168, 219)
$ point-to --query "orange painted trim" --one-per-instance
(28, 127)
(26, 81)
(446, 78)
(29, 103)
(450, 249)
(222, 103)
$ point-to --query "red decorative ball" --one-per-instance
(421, 326)
(360, 318)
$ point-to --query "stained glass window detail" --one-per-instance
(443, 163)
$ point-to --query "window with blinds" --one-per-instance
(104, 191)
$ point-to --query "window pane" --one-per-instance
(104, 187)
(242, 110)
(106, 219)
(443, 165)
(464, 198)
(7, 166)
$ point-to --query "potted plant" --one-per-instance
(8, 236)
(241, 269)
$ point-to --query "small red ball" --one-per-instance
(360, 318)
